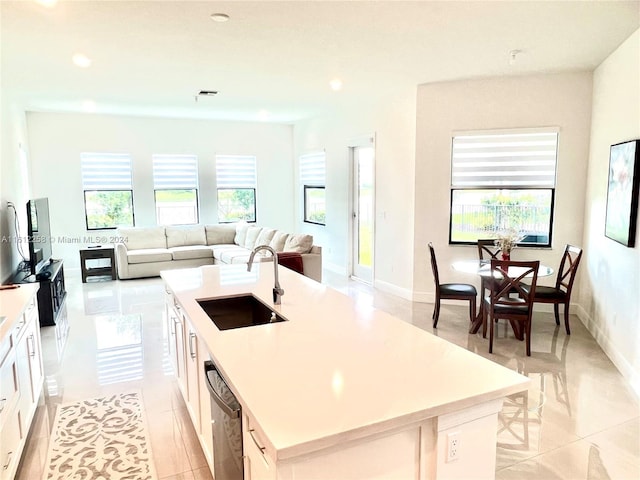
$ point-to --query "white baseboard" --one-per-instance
(393, 289)
(610, 350)
(335, 268)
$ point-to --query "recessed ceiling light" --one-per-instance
(220, 17)
(335, 84)
(263, 115)
(81, 60)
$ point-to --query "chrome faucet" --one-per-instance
(277, 291)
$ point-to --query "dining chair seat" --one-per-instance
(548, 293)
(507, 309)
(450, 291)
(458, 289)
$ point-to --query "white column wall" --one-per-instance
(392, 122)
(57, 140)
(609, 296)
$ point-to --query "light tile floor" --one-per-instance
(578, 420)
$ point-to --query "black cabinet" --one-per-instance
(51, 294)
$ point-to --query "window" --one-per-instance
(503, 181)
(175, 183)
(108, 190)
(236, 180)
(312, 179)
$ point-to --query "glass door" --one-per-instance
(363, 213)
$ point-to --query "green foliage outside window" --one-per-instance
(236, 204)
(108, 208)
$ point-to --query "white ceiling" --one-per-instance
(152, 57)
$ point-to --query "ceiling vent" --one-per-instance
(207, 93)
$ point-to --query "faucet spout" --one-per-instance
(277, 290)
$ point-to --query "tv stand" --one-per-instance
(51, 294)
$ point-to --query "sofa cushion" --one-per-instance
(194, 251)
(137, 238)
(229, 255)
(241, 233)
(265, 236)
(220, 250)
(147, 255)
(298, 242)
(185, 236)
(245, 259)
(224, 233)
(278, 240)
(252, 235)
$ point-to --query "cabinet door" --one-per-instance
(193, 376)
(206, 432)
(258, 465)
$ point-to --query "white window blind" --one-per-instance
(175, 172)
(106, 171)
(512, 159)
(236, 171)
(312, 169)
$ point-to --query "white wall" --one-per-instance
(562, 100)
(14, 187)
(609, 276)
(57, 140)
(392, 122)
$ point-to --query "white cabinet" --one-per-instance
(176, 342)
(188, 354)
(258, 465)
(21, 376)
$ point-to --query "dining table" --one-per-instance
(483, 269)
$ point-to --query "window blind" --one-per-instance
(106, 171)
(312, 169)
(236, 171)
(514, 159)
(175, 172)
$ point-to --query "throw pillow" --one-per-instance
(241, 233)
(252, 235)
(278, 241)
(300, 243)
(265, 236)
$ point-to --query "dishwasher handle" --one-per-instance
(226, 408)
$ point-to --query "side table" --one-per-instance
(97, 253)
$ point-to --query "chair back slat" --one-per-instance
(434, 264)
(508, 278)
(568, 268)
(488, 247)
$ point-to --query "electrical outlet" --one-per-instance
(453, 446)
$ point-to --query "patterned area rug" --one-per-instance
(100, 439)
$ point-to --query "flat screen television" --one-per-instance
(39, 234)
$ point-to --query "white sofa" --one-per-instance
(145, 251)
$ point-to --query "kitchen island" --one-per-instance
(338, 390)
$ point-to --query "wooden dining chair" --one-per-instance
(487, 249)
(561, 293)
(451, 291)
(509, 299)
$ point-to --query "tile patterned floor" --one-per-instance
(579, 419)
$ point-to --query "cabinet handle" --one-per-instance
(6, 465)
(3, 402)
(32, 349)
(191, 349)
(262, 449)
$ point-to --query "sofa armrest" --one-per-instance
(312, 263)
(122, 262)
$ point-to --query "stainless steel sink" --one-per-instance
(238, 312)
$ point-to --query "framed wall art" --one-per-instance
(622, 192)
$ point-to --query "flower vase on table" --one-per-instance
(507, 241)
(506, 255)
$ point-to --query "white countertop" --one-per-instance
(335, 370)
(12, 303)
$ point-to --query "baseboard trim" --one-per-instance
(603, 340)
(386, 287)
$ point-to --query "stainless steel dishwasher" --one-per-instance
(226, 422)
